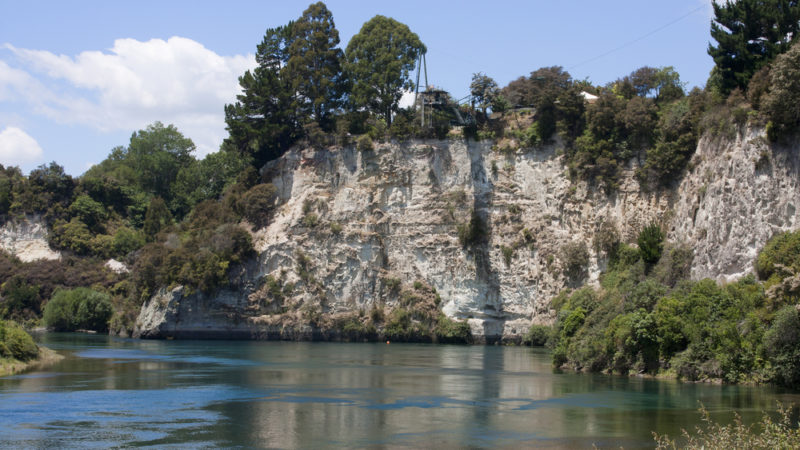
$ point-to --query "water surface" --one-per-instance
(112, 392)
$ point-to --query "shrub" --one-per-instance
(508, 254)
(449, 331)
(474, 232)
(606, 237)
(575, 258)
(767, 434)
(258, 203)
(79, 308)
(126, 240)
(782, 346)
(364, 143)
(538, 335)
(20, 299)
(651, 243)
(16, 343)
(784, 250)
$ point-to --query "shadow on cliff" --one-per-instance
(485, 275)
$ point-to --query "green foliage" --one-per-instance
(449, 331)
(156, 218)
(782, 252)
(782, 346)
(78, 309)
(20, 300)
(156, 155)
(364, 143)
(88, 211)
(210, 242)
(606, 238)
(15, 343)
(508, 254)
(575, 259)
(538, 335)
(782, 103)
(749, 34)
(473, 233)
(313, 67)
(651, 243)
(664, 323)
(259, 202)
(380, 58)
(262, 124)
(484, 91)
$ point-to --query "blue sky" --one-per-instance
(77, 78)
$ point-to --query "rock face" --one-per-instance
(352, 226)
(27, 239)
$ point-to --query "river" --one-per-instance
(121, 392)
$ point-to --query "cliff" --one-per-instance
(26, 238)
(355, 230)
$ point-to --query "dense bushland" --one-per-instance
(654, 320)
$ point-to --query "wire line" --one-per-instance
(639, 38)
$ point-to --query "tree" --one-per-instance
(156, 154)
(749, 34)
(484, 90)
(262, 123)
(314, 64)
(379, 60)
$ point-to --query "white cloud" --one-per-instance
(17, 147)
(135, 83)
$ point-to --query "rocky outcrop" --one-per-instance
(354, 229)
(26, 239)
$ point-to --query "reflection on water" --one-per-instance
(278, 394)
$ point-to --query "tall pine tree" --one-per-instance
(749, 34)
(314, 67)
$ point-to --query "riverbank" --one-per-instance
(46, 358)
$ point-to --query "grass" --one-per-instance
(766, 434)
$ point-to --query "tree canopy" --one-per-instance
(749, 34)
(379, 60)
(313, 66)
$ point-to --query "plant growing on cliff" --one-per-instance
(575, 259)
(474, 232)
(651, 243)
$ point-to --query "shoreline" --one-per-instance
(47, 358)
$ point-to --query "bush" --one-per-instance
(473, 233)
(538, 335)
(782, 103)
(768, 434)
(16, 343)
(364, 143)
(606, 238)
(449, 331)
(575, 258)
(258, 203)
(781, 250)
(782, 346)
(651, 243)
(76, 309)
